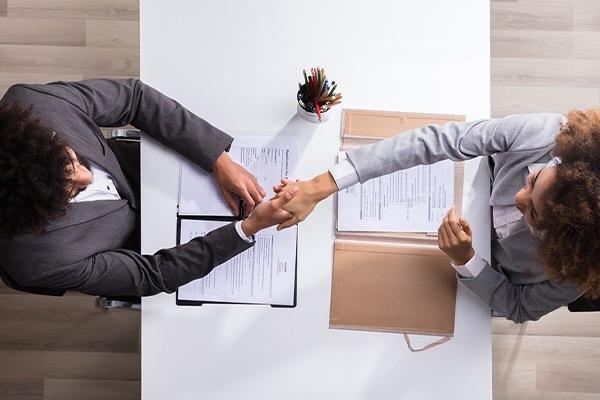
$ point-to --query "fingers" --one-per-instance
(286, 181)
(284, 197)
(283, 214)
(277, 188)
(454, 231)
(453, 223)
(466, 226)
(231, 201)
(255, 194)
(442, 238)
(248, 201)
(260, 190)
(287, 224)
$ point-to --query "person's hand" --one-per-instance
(455, 238)
(234, 180)
(269, 213)
(311, 193)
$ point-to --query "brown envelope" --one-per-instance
(392, 282)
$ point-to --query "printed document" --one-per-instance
(267, 158)
(411, 200)
(264, 274)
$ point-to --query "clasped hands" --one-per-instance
(292, 203)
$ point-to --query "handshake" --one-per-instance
(292, 203)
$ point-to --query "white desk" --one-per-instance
(237, 64)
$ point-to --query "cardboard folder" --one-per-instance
(392, 282)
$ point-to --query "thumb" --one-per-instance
(465, 226)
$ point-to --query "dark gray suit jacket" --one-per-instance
(82, 250)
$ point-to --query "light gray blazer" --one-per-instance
(513, 283)
(82, 251)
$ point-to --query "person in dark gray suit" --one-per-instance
(68, 209)
(545, 200)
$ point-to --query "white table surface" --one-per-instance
(237, 64)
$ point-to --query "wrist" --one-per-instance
(324, 185)
(465, 259)
(249, 227)
(220, 161)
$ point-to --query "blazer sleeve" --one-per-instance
(123, 272)
(519, 303)
(118, 102)
(455, 141)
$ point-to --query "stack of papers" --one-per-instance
(264, 274)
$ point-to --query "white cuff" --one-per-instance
(472, 268)
(344, 174)
(238, 228)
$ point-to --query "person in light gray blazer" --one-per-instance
(545, 199)
(67, 208)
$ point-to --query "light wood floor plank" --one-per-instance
(586, 18)
(42, 31)
(569, 375)
(69, 60)
(545, 44)
(531, 16)
(548, 72)
(77, 389)
(540, 395)
(68, 323)
(574, 3)
(519, 377)
(528, 348)
(558, 323)
(102, 9)
(16, 365)
(10, 78)
(523, 99)
(106, 33)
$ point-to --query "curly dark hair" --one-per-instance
(33, 173)
(569, 247)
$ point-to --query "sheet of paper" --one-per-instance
(412, 200)
(267, 158)
(264, 274)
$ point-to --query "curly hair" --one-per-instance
(569, 247)
(33, 173)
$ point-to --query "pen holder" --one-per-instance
(313, 117)
(316, 97)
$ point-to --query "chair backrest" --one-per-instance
(584, 304)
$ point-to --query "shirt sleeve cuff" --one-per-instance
(238, 228)
(344, 174)
(471, 269)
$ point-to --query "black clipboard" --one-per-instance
(230, 219)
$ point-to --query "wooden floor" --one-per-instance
(545, 57)
(65, 348)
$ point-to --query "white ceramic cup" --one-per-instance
(312, 117)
